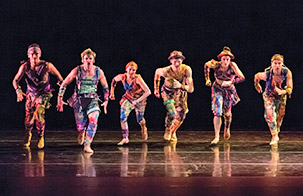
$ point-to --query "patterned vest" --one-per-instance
(269, 88)
(87, 85)
(37, 81)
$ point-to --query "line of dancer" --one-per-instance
(178, 82)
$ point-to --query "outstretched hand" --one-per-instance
(258, 88)
(20, 96)
(104, 104)
(112, 97)
(60, 104)
(157, 93)
(208, 83)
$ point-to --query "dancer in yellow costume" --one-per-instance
(178, 81)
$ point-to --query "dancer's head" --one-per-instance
(89, 54)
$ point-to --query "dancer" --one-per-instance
(85, 98)
(223, 92)
(178, 81)
(279, 84)
(38, 93)
(135, 98)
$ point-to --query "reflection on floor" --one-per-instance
(187, 167)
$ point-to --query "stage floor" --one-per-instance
(245, 165)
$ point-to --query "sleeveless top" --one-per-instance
(171, 76)
(268, 86)
(226, 75)
(133, 89)
(37, 81)
(86, 86)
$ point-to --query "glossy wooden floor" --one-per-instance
(245, 165)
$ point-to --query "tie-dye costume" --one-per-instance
(133, 92)
(274, 104)
(175, 100)
(38, 95)
(223, 98)
(85, 101)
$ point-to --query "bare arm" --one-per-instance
(70, 77)
(259, 76)
(238, 72)
(158, 74)
(289, 83)
(209, 64)
(145, 88)
(105, 90)
(16, 81)
(116, 79)
(189, 87)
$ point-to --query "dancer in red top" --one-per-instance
(134, 98)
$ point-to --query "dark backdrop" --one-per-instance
(146, 31)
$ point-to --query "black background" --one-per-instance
(146, 31)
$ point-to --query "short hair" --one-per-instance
(277, 57)
(88, 51)
(131, 63)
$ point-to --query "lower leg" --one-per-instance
(125, 133)
(217, 126)
(81, 136)
(168, 122)
(40, 128)
(173, 129)
(40, 124)
(27, 138)
(274, 137)
(170, 117)
(29, 124)
(144, 133)
(227, 122)
(91, 131)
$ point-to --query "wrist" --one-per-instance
(18, 90)
(61, 91)
(288, 91)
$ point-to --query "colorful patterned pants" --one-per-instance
(126, 108)
(87, 119)
(35, 110)
(274, 112)
(223, 98)
(175, 102)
